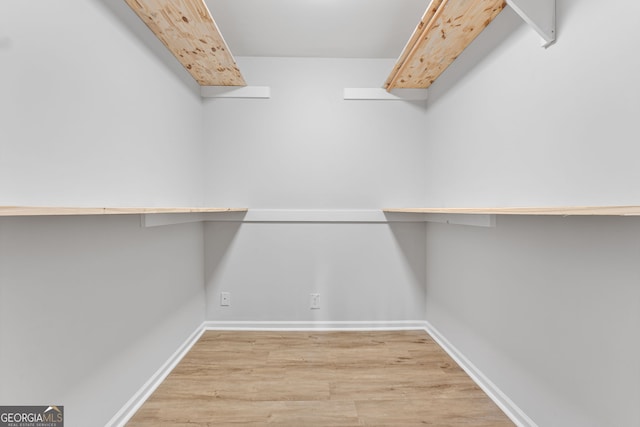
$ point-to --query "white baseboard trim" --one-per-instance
(129, 409)
(516, 414)
(499, 398)
(312, 325)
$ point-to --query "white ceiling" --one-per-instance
(317, 28)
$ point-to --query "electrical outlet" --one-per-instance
(315, 301)
(225, 299)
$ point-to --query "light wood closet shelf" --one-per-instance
(445, 30)
(66, 210)
(558, 211)
(449, 26)
(188, 30)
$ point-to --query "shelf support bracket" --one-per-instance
(540, 15)
(381, 94)
(255, 92)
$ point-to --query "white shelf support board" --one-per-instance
(363, 216)
(254, 92)
(540, 15)
(366, 216)
(381, 94)
(158, 220)
(476, 220)
(279, 215)
(313, 215)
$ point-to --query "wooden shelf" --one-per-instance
(559, 211)
(449, 26)
(65, 210)
(187, 29)
(366, 215)
(445, 30)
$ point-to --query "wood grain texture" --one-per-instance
(396, 378)
(66, 210)
(413, 43)
(188, 30)
(559, 210)
(446, 29)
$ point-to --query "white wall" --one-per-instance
(546, 307)
(531, 126)
(91, 115)
(308, 148)
(91, 307)
(363, 272)
(88, 114)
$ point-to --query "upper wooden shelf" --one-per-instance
(188, 30)
(445, 30)
(449, 26)
(62, 210)
(559, 211)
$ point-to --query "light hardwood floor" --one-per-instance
(396, 378)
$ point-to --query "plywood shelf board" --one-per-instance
(559, 211)
(188, 30)
(67, 210)
(446, 29)
(412, 44)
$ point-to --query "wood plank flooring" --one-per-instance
(395, 378)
